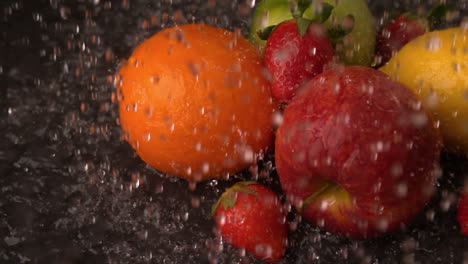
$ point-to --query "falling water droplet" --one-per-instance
(313, 51)
(159, 188)
(192, 186)
(154, 79)
(433, 43)
(402, 190)
(222, 219)
(147, 137)
(277, 118)
(250, 3)
(195, 202)
(198, 146)
(194, 69)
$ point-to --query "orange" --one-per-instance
(194, 102)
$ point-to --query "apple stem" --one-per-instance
(326, 187)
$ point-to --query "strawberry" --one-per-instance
(394, 35)
(298, 49)
(293, 58)
(463, 212)
(250, 216)
(404, 28)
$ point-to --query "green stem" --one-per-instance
(325, 188)
(228, 202)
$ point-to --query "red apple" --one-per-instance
(356, 153)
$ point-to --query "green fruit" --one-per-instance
(358, 46)
(268, 13)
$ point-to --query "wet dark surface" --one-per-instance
(66, 190)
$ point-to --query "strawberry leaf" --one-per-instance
(321, 15)
(229, 198)
(338, 32)
(302, 5)
(265, 33)
(302, 25)
(246, 183)
(240, 187)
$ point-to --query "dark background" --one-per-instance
(66, 189)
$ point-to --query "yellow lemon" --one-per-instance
(435, 67)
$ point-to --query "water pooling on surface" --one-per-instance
(71, 190)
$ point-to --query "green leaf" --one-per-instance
(265, 33)
(229, 198)
(338, 32)
(437, 15)
(240, 187)
(324, 14)
(302, 6)
(246, 183)
(335, 34)
(245, 190)
(302, 25)
(411, 16)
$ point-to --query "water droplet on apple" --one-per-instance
(419, 119)
(402, 190)
(313, 51)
